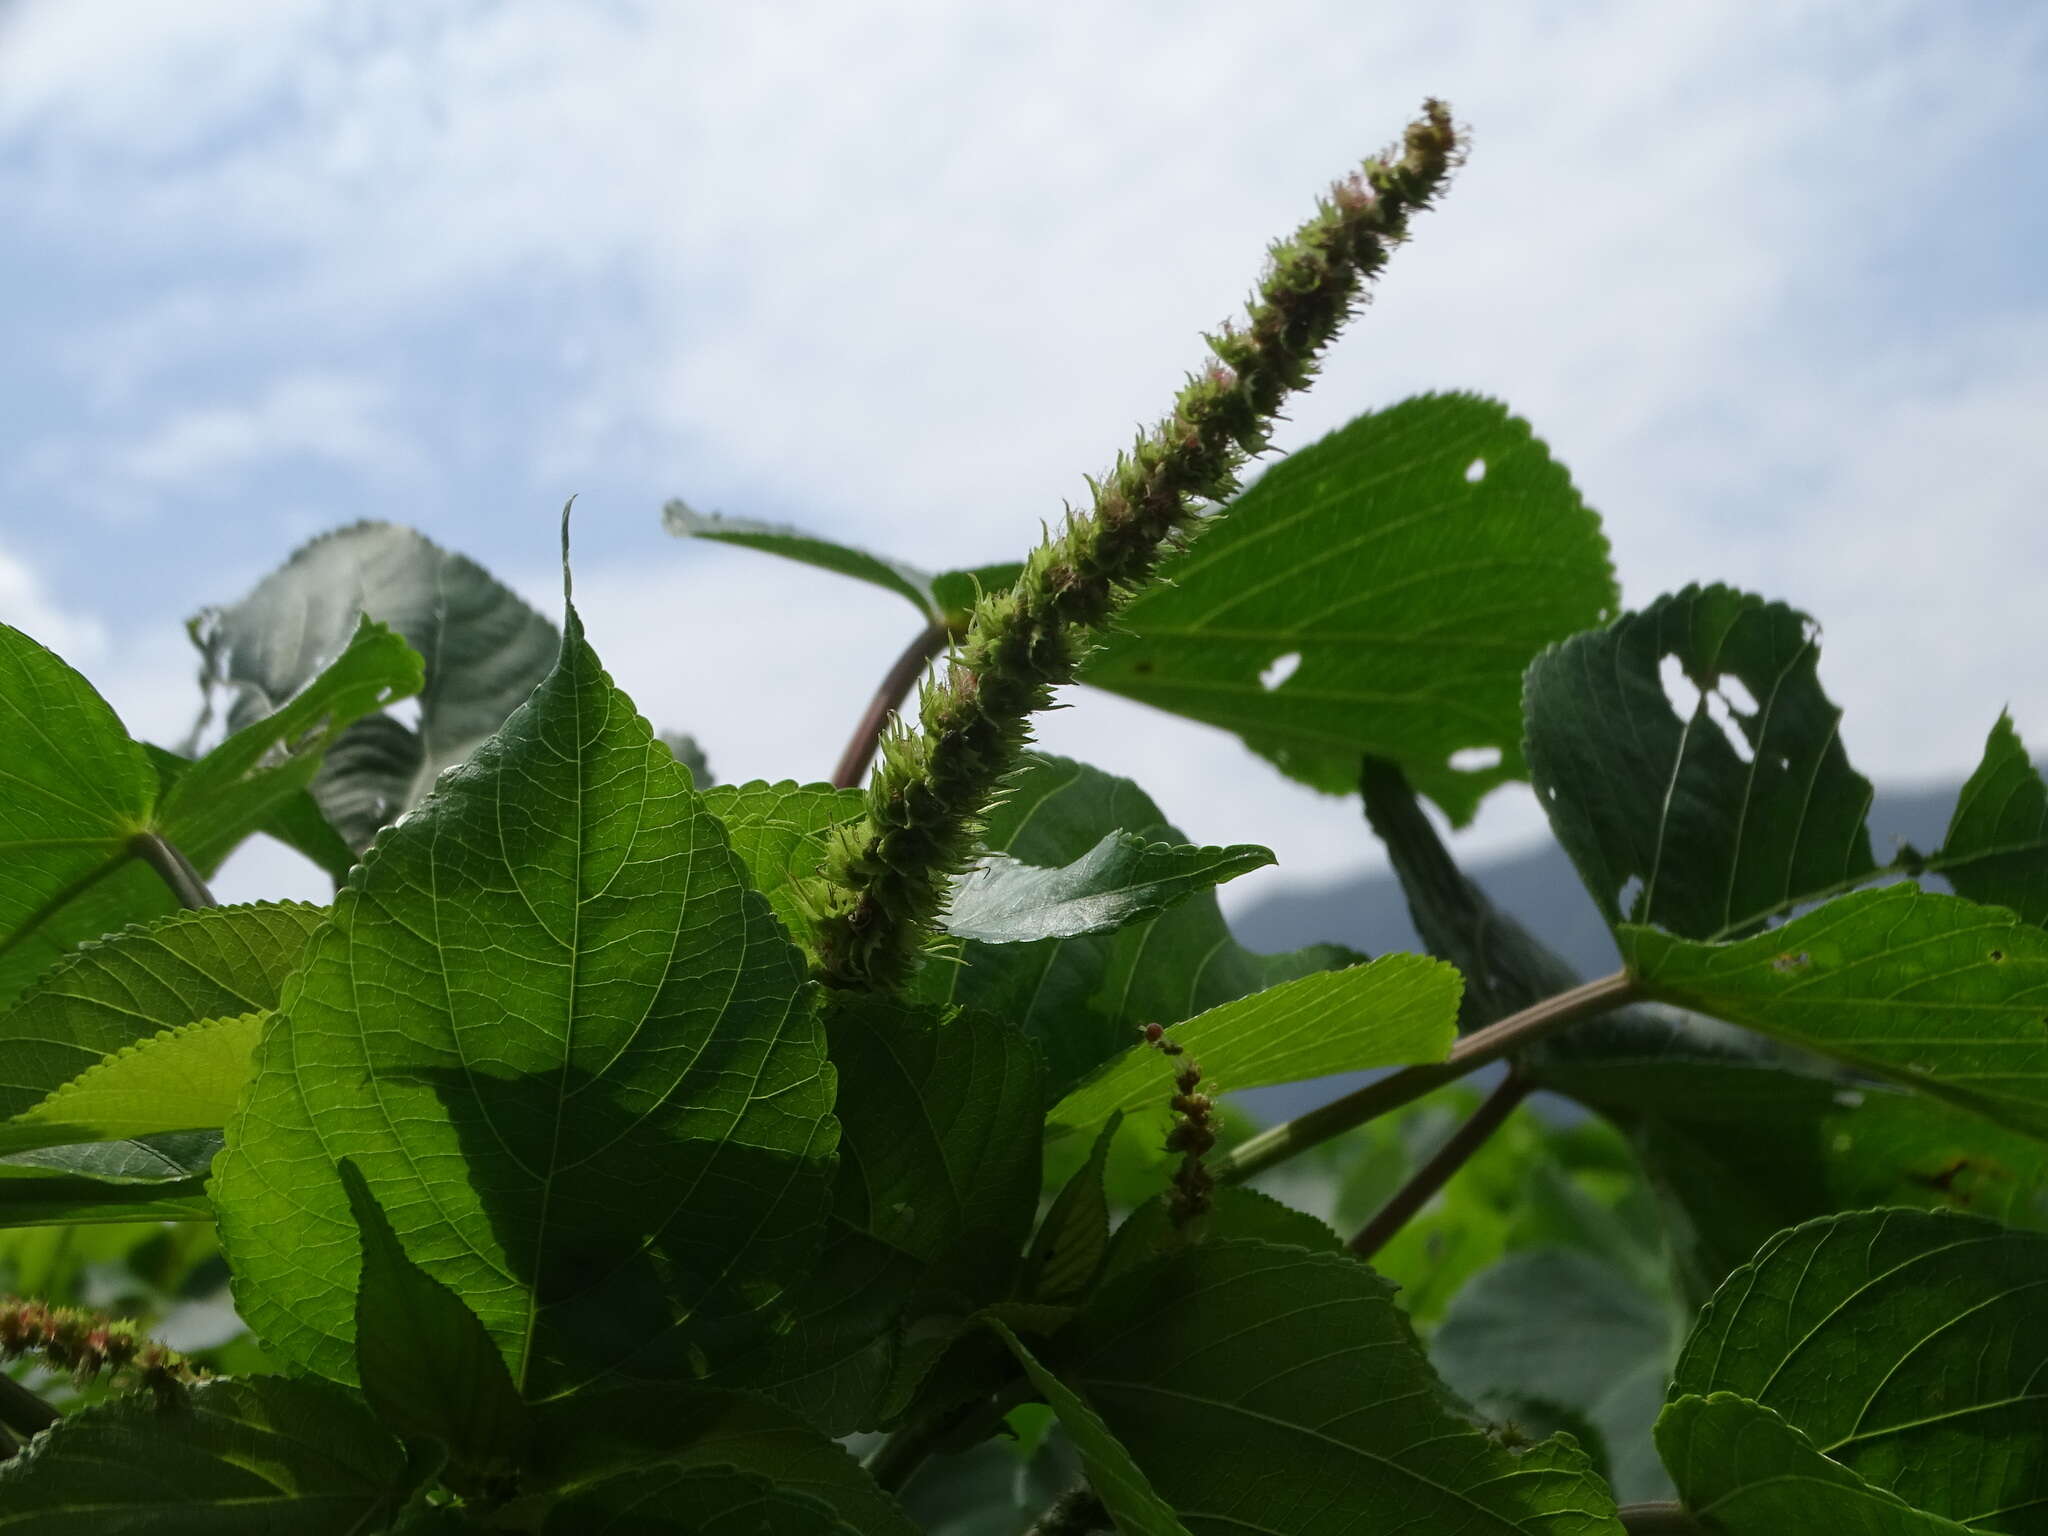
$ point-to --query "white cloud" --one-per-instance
(27, 605)
(916, 267)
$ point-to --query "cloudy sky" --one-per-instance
(1767, 277)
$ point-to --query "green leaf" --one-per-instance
(572, 1053)
(65, 1201)
(1121, 880)
(779, 832)
(485, 649)
(1273, 1389)
(1996, 850)
(1560, 1326)
(667, 1500)
(184, 1079)
(943, 599)
(939, 1126)
(1067, 1255)
(1388, 1012)
(1747, 1472)
(1712, 826)
(1932, 991)
(1235, 1215)
(252, 777)
(426, 1364)
(1909, 1346)
(183, 969)
(235, 1458)
(77, 790)
(1412, 595)
(587, 1439)
(1084, 998)
(1116, 1478)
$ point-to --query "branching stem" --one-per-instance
(1438, 1171)
(174, 869)
(1278, 1143)
(888, 699)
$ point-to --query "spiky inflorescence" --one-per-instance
(87, 1343)
(886, 877)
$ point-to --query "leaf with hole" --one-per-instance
(573, 1055)
(1410, 564)
(1692, 766)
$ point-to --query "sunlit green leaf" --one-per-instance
(1401, 573)
(1996, 850)
(184, 1079)
(778, 831)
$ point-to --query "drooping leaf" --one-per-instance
(778, 831)
(183, 969)
(1117, 1480)
(485, 649)
(1278, 1390)
(235, 1458)
(1562, 1326)
(1932, 991)
(426, 1365)
(184, 1079)
(77, 790)
(943, 599)
(1996, 850)
(1072, 1242)
(1121, 880)
(1388, 1012)
(1702, 822)
(1411, 564)
(1911, 1347)
(1747, 1472)
(587, 1439)
(573, 1055)
(939, 1130)
(1084, 998)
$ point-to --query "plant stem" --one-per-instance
(1074, 1513)
(1660, 1519)
(888, 699)
(174, 869)
(886, 878)
(896, 1460)
(1276, 1144)
(22, 1411)
(1437, 1172)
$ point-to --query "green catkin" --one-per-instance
(885, 878)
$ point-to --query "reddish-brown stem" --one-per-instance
(888, 699)
(1433, 1175)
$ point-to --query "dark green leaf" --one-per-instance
(234, 1458)
(1560, 1326)
(485, 649)
(939, 1122)
(64, 1201)
(668, 1500)
(184, 1079)
(1121, 880)
(1933, 991)
(571, 1051)
(1702, 822)
(1909, 1346)
(1747, 1472)
(1271, 1389)
(1235, 1215)
(779, 831)
(1084, 998)
(1388, 1012)
(956, 592)
(1411, 594)
(186, 968)
(1073, 1241)
(77, 789)
(1115, 1477)
(1996, 850)
(425, 1363)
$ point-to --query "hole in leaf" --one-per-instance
(406, 712)
(1630, 894)
(1723, 715)
(1786, 964)
(1475, 759)
(1736, 692)
(1683, 693)
(1475, 471)
(1281, 670)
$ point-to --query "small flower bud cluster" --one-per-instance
(885, 878)
(1193, 1134)
(89, 1343)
